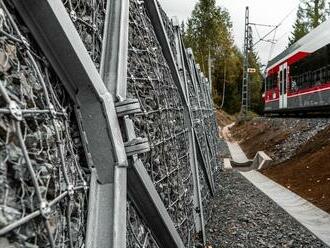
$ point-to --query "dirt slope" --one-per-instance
(308, 172)
(259, 135)
(223, 118)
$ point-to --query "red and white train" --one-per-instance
(298, 79)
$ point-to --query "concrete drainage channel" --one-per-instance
(311, 217)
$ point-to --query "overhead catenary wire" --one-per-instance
(273, 29)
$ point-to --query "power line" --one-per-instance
(328, 10)
(248, 46)
(262, 25)
(275, 27)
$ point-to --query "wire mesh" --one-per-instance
(43, 181)
(89, 18)
(162, 121)
(138, 234)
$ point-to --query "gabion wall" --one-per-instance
(162, 121)
(88, 17)
(202, 112)
(43, 172)
(44, 176)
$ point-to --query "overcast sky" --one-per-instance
(261, 11)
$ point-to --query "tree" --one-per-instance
(310, 14)
(315, 12)
(256, 84)
(300, 28)
(209, 30)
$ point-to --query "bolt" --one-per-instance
(15, 110)
(70, 190)
(94, 27)
(52, 110)
(45, 209)
(73, 16)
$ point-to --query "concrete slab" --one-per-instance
(227, 164)
(314, 219)
(261, 161)
(237, 154)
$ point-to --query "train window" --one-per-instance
(271, 82)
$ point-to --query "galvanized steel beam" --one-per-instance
(115, 48)
(113, 71)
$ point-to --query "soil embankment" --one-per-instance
(224, 119)
(307, 173)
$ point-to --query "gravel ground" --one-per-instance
(304, 130)
(244, 217)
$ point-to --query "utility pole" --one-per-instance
(224, 86)
(210, 72)
(247, 47)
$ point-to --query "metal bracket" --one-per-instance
(137, 146)
(128, 107)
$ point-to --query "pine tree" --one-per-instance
(315, 12)
(208, 29)
(310, 14)
(300, 28)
